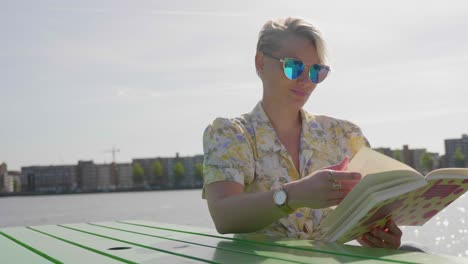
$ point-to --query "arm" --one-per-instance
(234, 211)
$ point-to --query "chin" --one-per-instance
(299, 102)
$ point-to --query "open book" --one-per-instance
(390, 189)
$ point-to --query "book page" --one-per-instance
(379, 172)
(367, 186)
(410, 209)
(375, 212)
(446, 173)
(368, 161)
(400, 188)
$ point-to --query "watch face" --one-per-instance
(280, 197)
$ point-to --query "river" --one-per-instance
(446, 233)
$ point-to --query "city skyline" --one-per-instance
(464, 137)
(81, 77)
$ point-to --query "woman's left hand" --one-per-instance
(387, 237)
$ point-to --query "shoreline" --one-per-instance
(16, 194)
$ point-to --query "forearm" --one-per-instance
(245, 212)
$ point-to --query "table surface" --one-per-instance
(152, 242)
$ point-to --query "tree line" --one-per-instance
(158, 171)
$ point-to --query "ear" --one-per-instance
(259, 63)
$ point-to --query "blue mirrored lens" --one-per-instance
(317, 73)
(293, 68)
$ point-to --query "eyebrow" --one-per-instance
(293, 56)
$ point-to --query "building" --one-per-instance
(412, 157)
(61, 178)
(87, 176)
(104, 179)
(124, 178)
(149, 179)
(451, 146)
(190, 180)
(168, 178)
(386, 151)
(3, 173)
(12, 182)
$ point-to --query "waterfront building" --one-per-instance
(3, 173)
(451, 146)
(87, 176)
(124, 175)
(62, 178)
(168, 179)
(12, 182)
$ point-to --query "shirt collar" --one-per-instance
(266, 139)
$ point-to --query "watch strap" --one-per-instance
(285, 206)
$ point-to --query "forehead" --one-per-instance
(298, 48)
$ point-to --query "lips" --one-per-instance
(299, 92)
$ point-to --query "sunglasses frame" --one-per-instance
(321, 66)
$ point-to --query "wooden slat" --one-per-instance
(360, 252)
(13, 252)
(221, 244)
(102, 246)
(381, 253)
(152, 242)
(60, 250)
(210, 254)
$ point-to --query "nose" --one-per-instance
(304, 77)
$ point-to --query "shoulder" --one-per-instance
(326, 123)
(227, 126)
(347, 134)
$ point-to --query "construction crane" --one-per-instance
(114, 170)
(113, 151)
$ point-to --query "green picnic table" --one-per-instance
(153, 242)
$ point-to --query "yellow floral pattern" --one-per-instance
(248, 151)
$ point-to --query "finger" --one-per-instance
(362, 240)
(339, 166)
(371, 240)
(342, 175)
(393, 228)
(389, 239)
(332, 202)
(347, 185)
(376, 242)
(335, 195)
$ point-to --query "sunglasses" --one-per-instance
(293, 69)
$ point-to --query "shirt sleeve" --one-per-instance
(353, 139)
(228, 154)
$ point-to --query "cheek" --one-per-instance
(275, 77)
(273, 71)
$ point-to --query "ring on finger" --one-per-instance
(336, 186)
(331, 175)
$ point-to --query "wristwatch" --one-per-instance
(280, 197)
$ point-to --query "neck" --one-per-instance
(283, 118)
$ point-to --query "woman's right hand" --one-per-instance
(316, 190)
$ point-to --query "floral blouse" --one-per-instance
(248, 151)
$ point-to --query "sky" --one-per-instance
(79, 77)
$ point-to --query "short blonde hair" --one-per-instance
(275, 30)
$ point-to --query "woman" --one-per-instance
(271, 171)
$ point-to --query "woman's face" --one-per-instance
(277, 88)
